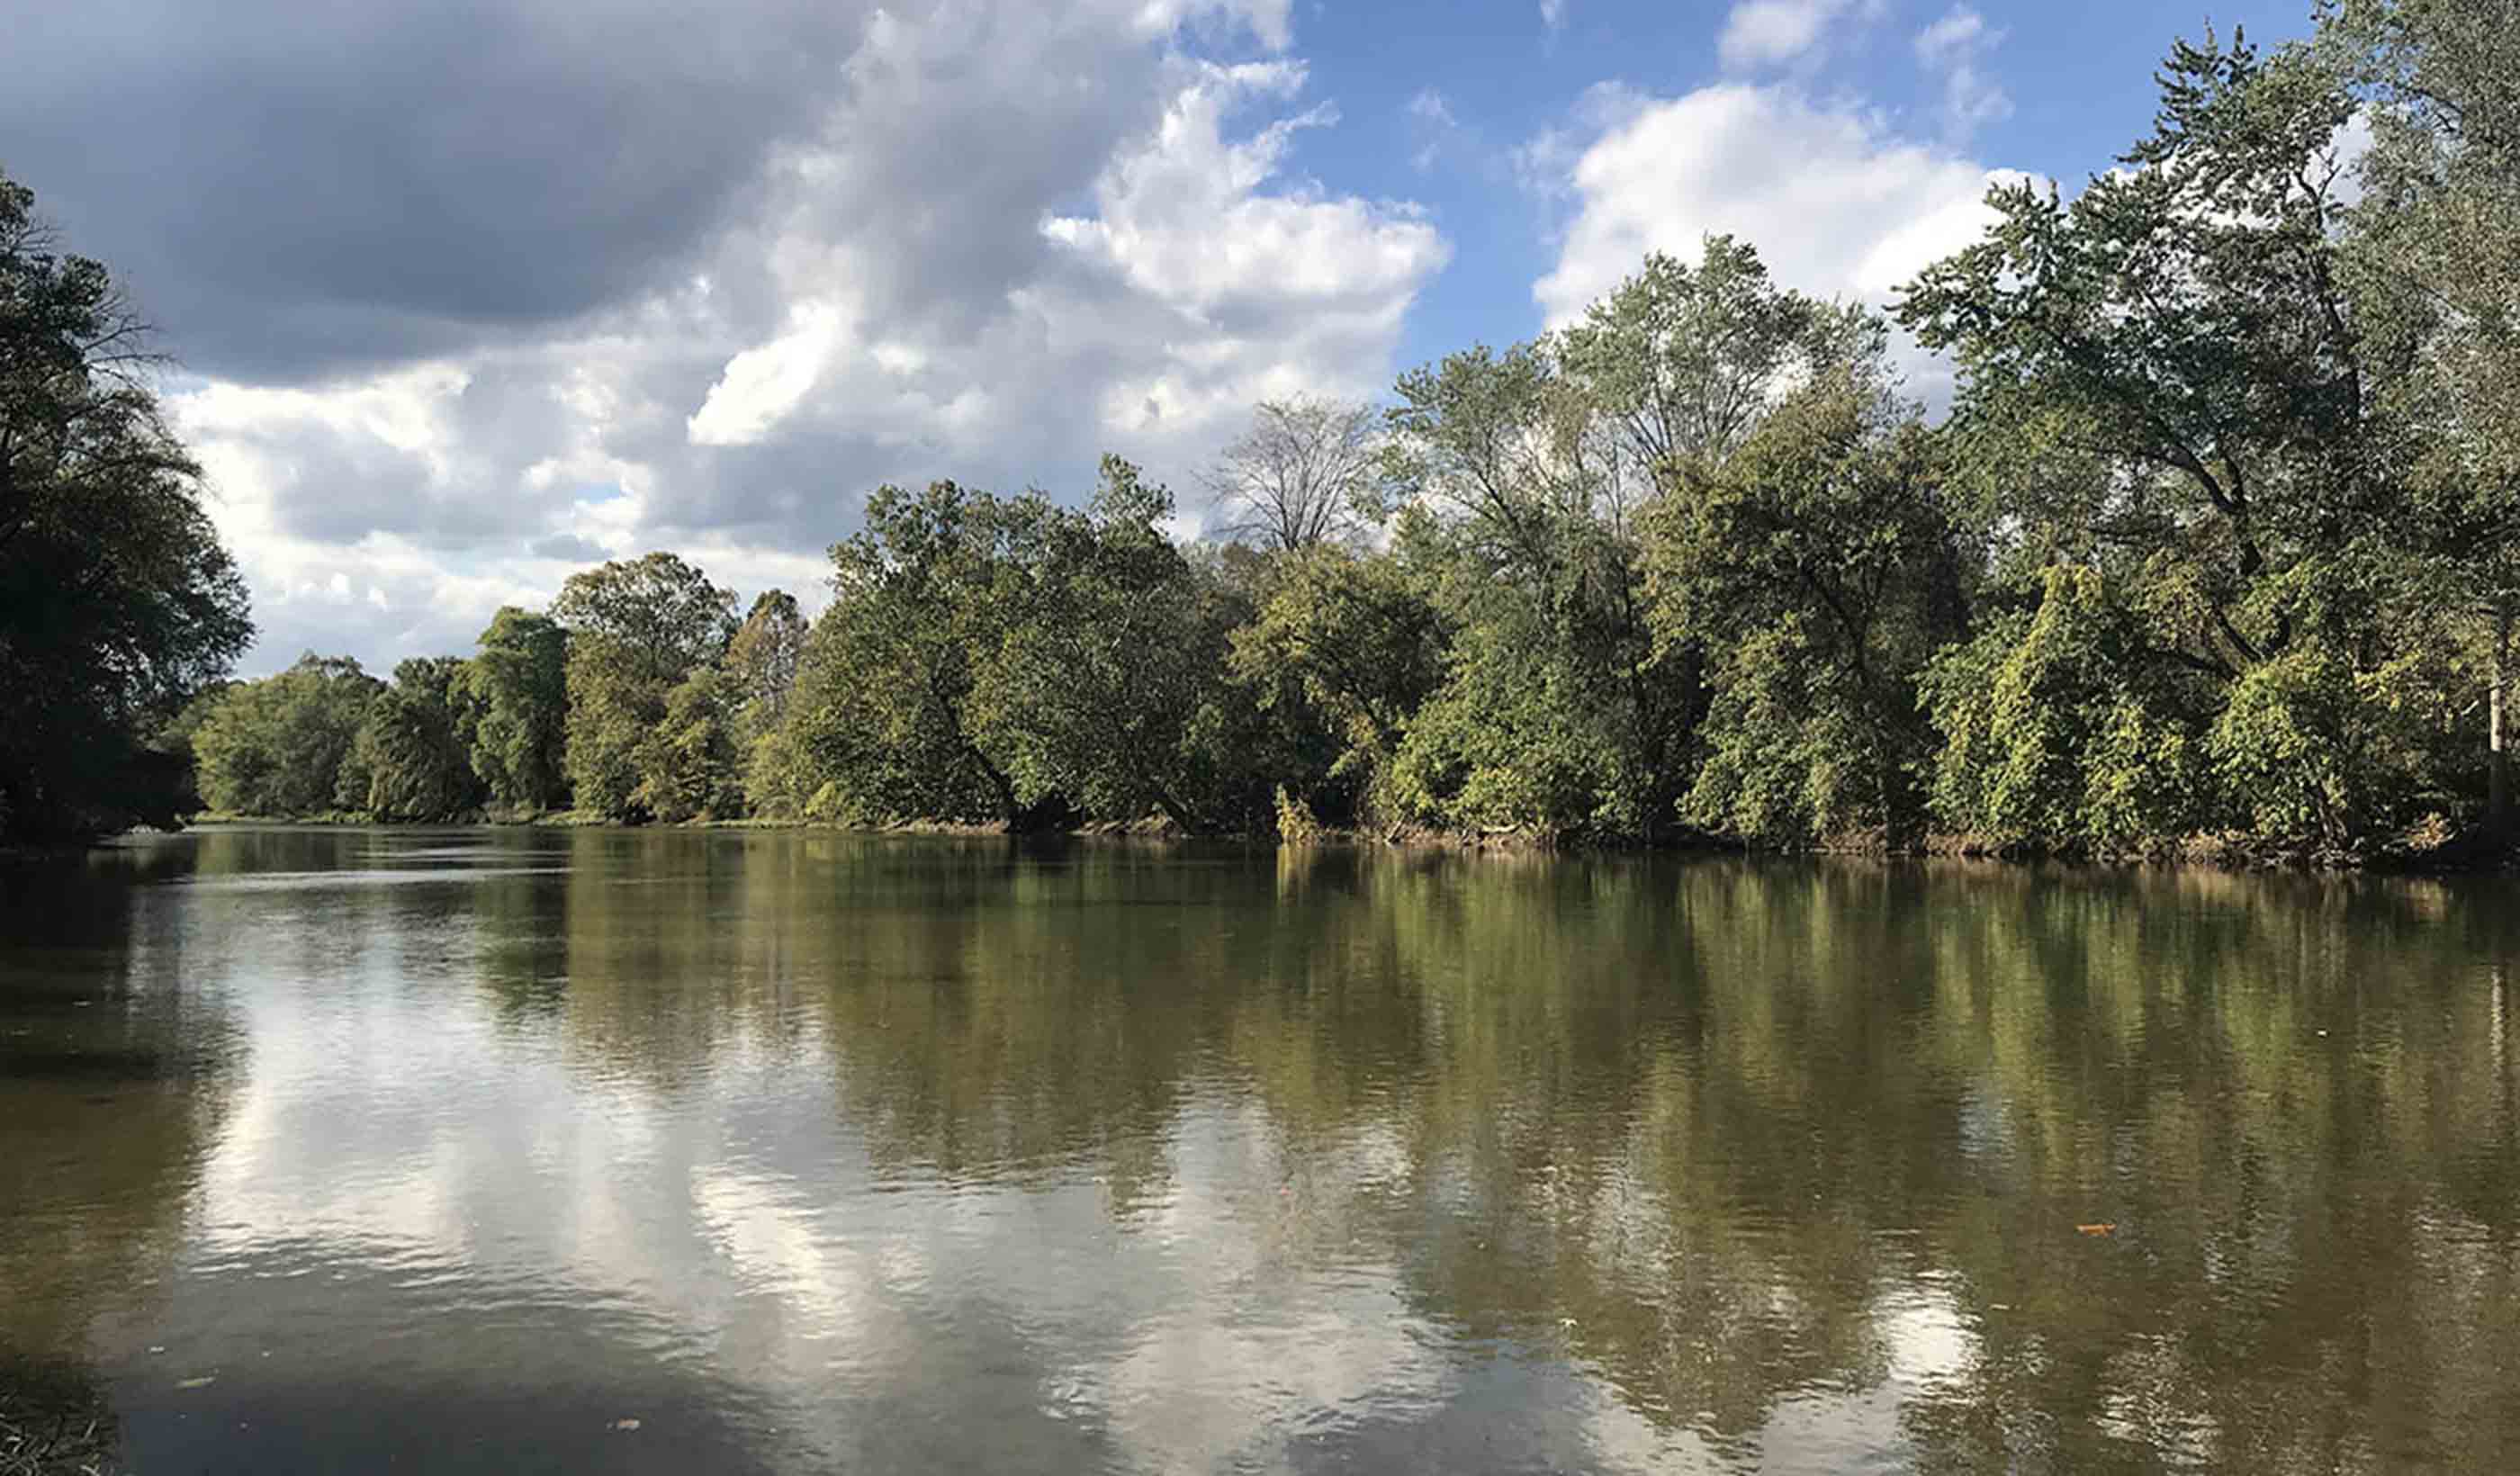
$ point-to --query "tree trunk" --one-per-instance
(2498, 724)
(1178, 813)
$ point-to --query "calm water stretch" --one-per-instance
(322, 1151)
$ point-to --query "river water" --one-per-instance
(335, 1149)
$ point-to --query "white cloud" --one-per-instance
(1552, 14)
(1835, 203)
(1954, 48)
(1774, 32)
(1021, 236)
(762, 385)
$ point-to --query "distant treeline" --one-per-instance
(2216, 543)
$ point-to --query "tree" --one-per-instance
(410, 761)
(1301, 477)
(2175, 382)
(1822, 565)
(879, 724)
(1561, 712)
(2435, 249)
(637, 630)
(279, 747)
(116, 602)
(514, 697)
(1684, 362)
(763, 659)
(1094, 686)
(1355, 644)
(690, 765)
(2185, 321)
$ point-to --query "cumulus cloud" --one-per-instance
(1836, 203)
(469, 296)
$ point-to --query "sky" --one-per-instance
(466, 296)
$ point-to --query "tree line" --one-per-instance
(2214, 542)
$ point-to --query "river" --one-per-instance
(331, 1150)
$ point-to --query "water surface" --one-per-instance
(328, 1149)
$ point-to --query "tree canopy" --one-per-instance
(117, 603)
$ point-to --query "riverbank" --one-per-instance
(2441, 853)
(68, 1435)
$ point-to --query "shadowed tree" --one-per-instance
(116, 602)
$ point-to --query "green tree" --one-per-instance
(1352, 645)
(2435, 249)
(410, 761)
(279, 747)
(2174, 383)
(1822, 568)
(637, 630)
(763, 659)
(1560, 713)
(2060, 729)
(514, 697)
(2184, 327)
(1095, 684)
(879, 724)
(117, 603)
(690, 765)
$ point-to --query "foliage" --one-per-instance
(2216, 541)
(410, 760)
(280, 747)
(690, 765)
(2057, 727)
(117, 603)
(514, 697)
(1823, 568)
(763, 658)
(637, 630)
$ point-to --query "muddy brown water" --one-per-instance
(341, 1151)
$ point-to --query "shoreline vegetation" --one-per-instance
(2216, 559)
(2452, 856)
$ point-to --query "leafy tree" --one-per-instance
(1527, 511)
(279, 747)
(1352, 645)
(690, 765)
(1683, 361)
(2184, 325)
(1095, 686)
(117, 603)
(637, 630)
(2435, 249)
(880, 723)
(513, 697)
(763, 659)
(2060, 729)
(1823, 567)
(2176, 384)
(409, 761)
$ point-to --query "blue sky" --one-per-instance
(469, 295)
(2076, 82)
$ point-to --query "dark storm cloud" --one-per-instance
(296, 189)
